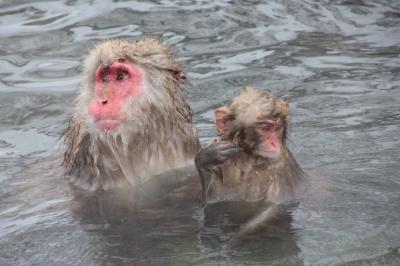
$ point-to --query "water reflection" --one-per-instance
(173, 231)
(160, 233)
(220, 224)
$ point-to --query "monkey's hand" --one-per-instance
(215, 154)
(211, 156)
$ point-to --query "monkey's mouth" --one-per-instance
(269, 154)
(107, 124)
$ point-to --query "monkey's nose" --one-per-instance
(103, 101)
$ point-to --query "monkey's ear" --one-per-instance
(222, 117)
(282, 108)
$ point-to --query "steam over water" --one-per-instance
(336, 62)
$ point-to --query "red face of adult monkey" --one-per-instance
(131, 120)
(116, 82)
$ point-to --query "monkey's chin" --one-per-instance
(107, 124)
(272, 155)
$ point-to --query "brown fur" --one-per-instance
(252, 179)
(253, 105)
(156, 134)
(250, 107)
(247, 176)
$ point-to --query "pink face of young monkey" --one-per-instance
(270, 134)
(115, 83)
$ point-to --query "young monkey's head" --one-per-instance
(256, 121)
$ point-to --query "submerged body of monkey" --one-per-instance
(250, 161)
(131, 121)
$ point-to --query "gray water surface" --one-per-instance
(336, 62)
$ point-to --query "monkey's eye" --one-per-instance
(266, 128)
(121, 75)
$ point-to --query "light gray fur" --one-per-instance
(156, 133)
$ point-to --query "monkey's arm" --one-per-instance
(264, 217)
(209, 158)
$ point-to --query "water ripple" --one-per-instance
(336, 62)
